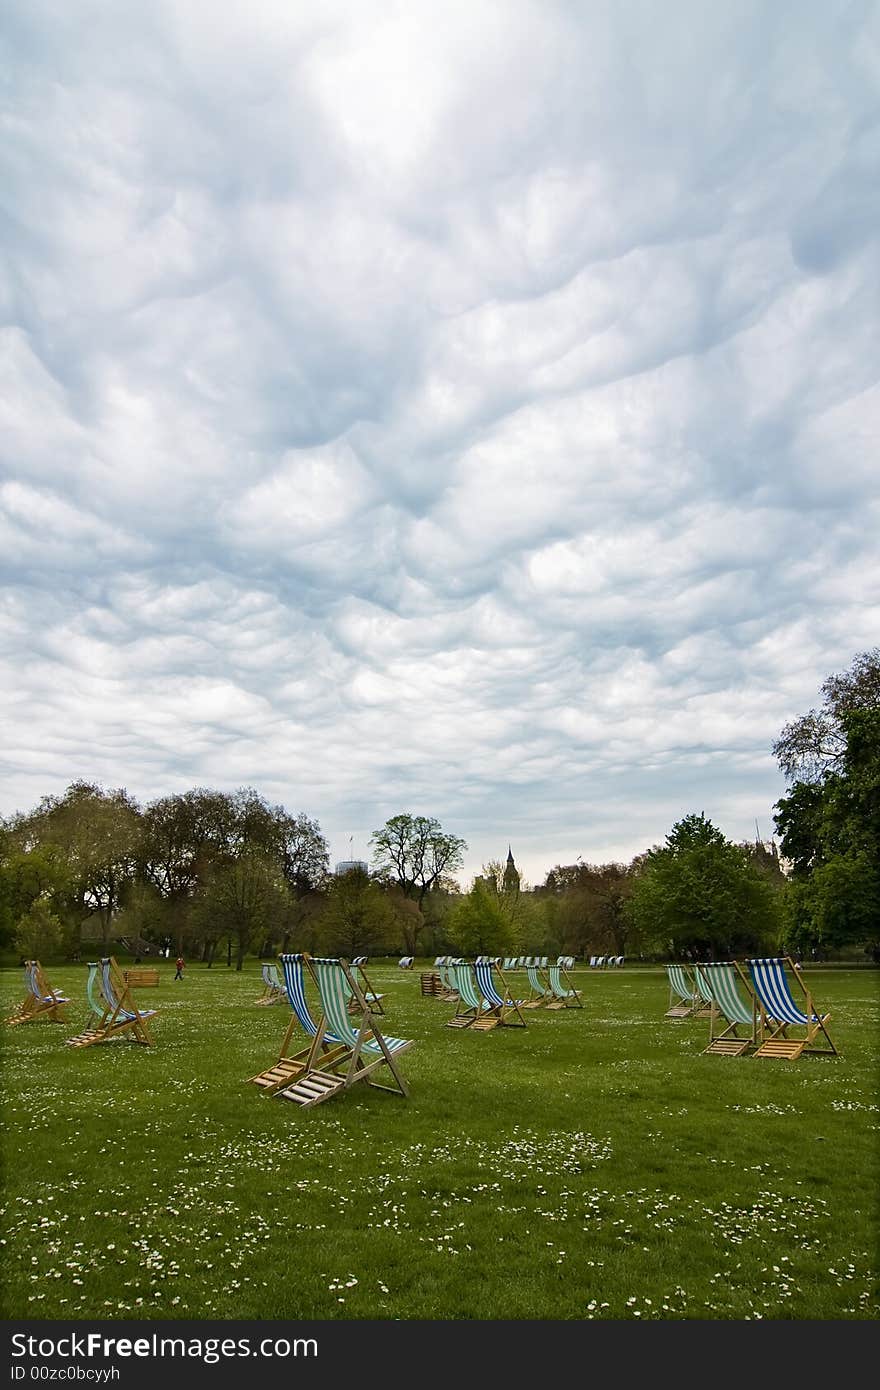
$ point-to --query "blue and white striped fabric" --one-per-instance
(296, 995)
(486, 984)
(771, 986)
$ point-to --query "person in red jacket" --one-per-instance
(179, 975)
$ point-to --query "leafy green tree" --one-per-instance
(590, 907)
(25, 876)
(700, 896)
(417, 854)
(244, 899)
(830, 833)
(38, 932)
(97, 834)
(481, 923)
(815, 745)
(358, 917)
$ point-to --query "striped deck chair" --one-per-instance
(406, 962)
(781, 1011)
(705, 1003)
(332, 1052)
(502, 1004)
(273, 989)
(120, 1015)
(373, 999)
(565, 996)
(40, 1000)
(368, 1049)
(472, 1011)
(731, 1011)
(539, 990)
(448, 982)
(682, 988)
(99, 1009)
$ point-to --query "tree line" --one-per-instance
(220, 875)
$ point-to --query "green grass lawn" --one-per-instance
(593, 1165)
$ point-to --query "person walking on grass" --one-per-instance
(179, 974)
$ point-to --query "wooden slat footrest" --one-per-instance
(312, 1088)
(790, 1048)
(460, 1021)
(728, 1047)
(483, 1025)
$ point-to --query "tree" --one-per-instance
(830, 833)
(244, 899)
(416, 853)
(357, 918)
(814, 745)
(97, 834)
(25, 876)
(481, 923)
(701, 896)
(38, 931)
(590, 907)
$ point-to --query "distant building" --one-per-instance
(345, 866)
(511, 874)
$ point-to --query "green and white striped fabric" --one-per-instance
(721, 980)
(679, 982)
(93, 993)
(556, 984)
(537, 985)
(464, 983)
(704, 988)
(335, 993)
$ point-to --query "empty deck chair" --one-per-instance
(705, 1005)
(273, 988)
(99, 1009)
(406, 962)
(780, 1011)
(40, 1000)
(472, 1011)
(731, 1012)
(539, 990)
(682, 988)
(448, 984)
(368, 1048)
(289, 1066)
(373, 999)
(119, 1016)
(565, 996)
(501, 1004)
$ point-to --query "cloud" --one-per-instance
(464, 412)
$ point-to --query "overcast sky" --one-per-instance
(468, 409)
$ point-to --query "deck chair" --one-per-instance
(705, 1003)
(682, 988)
(565, 996)
(448, 985)
(473, 1011)
(332, 1052)
(40, 1000)
(273, 989)
(373, 999)
(501, 1004)
(368, 1049)
(406, 962)
(99, 1009)
(731, 1012)
(780, 1011)
(119, 1016)
(539, 991)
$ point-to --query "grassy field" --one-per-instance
(593, 1165)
